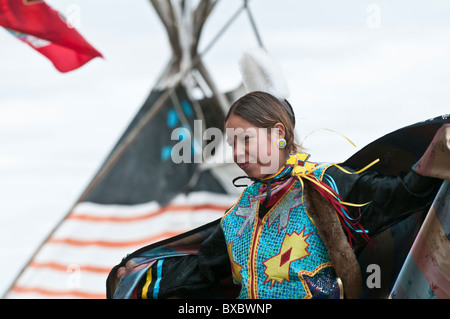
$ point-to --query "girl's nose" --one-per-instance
(239, 152)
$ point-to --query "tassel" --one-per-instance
(304, 169)
(342, 212)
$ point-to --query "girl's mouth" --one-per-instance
(243, 166)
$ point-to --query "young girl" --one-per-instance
(294, 232)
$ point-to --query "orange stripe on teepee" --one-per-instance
(172, 208)
(112, 244)
(55, 293)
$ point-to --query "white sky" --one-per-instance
(362, 68)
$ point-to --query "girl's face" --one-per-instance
(255, 150)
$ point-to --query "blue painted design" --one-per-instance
(183, 132)
(166, 152)
(196, 146)
(172, 118)
(187, 109)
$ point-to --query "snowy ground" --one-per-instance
(362, 68)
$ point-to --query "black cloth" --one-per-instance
(199, 274)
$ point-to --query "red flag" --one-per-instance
(45, 30)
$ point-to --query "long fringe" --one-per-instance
(347, 222)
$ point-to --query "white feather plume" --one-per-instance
(260, 72)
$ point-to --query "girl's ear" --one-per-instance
(279, 127)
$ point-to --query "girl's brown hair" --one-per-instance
(262, 109)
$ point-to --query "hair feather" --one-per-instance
(260, 72)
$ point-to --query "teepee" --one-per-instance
(140, 195)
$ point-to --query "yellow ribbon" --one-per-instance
(326, 129)
(147, 284)
(330, 192)
(305, 174)
(314, 180)
(360, 171)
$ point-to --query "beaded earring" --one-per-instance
(281, 143)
